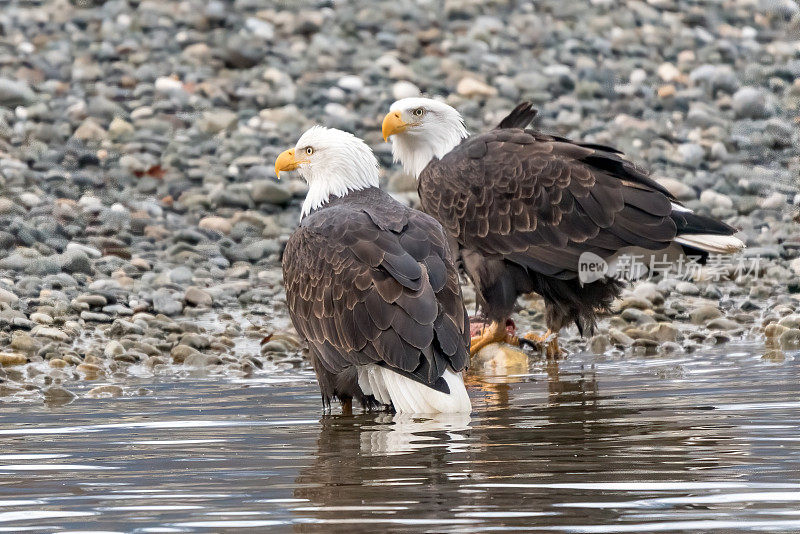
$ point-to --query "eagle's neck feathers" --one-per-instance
(342, 172)
(415, 150)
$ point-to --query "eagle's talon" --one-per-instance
(547, 343)
(494, 332)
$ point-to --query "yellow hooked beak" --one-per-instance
(393, 123)
(285, 162)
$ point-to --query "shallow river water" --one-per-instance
(696, 443)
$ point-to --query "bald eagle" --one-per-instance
(371, 285)
(524, 206)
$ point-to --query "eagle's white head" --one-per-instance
(332, 162)
(422, 129)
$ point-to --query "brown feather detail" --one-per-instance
(395, 352)
(369, 280)
(520, 117)
(411, 331)
(522, 204)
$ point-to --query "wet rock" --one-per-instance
(120, 129)
(637, 316)
(195, 341)
(198, 359)
(7, 297)
(51, 333)
(790, 339)
(470, 87)
(180, 352)
(664, 332)
(107, 391)
(599, 344)
(195, 296)
(669, 347)
(113, 348)
(58, 396)
(691, 154)
(167, 302)
(647, 346)
(750, 103)
(714, 199)
(774, 330)
(774, 356)
(680, 190)
(23, 342)
(89, 131)
(41, 318)
(216, 121)
(90, 371)
(92, 300)
(270, 192)
(722, 323)
(216, 224)
(181, 275)
(404, 89)
(241, 53)
(687, 288)
(96, 317)
(649, 291)
(15, 93)
(704, 313)
(635, 302)
(7, 359)
(76, 261)
(790, 321)
(618, 338)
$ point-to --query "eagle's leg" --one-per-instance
(347, 405)
(494, 332)
(548, 341)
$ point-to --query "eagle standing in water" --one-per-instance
(524, 206)
(371, 285)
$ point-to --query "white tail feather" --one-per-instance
(678, 207)
(378, 385)
(716, 244)
(409, 396)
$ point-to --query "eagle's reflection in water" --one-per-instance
(413, 472)
(403, 433)
(368, 465)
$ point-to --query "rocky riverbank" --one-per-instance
(141, 226)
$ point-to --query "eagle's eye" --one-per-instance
(309, 150)
(419, 112)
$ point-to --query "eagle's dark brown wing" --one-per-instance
(376, 285)
(541, 201)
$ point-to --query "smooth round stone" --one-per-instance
(198, 297)
(106, 391)
(704, 313)
(58, 396)
(23, 342)
(113, 348)
(8, 359)
(687, 288)
(750, 103)
(96, 317)
(90, 370)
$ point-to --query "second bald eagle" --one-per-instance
(524, 206)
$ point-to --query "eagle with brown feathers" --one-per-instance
(523, 207)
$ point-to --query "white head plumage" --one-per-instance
(422, 129)
(332, 162)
